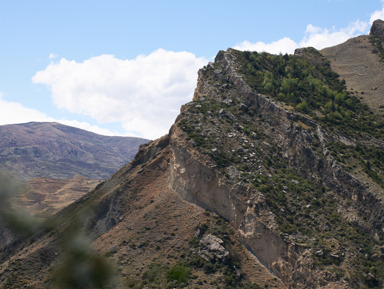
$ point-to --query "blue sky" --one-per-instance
(125, 67)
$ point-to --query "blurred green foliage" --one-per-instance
(78, 265)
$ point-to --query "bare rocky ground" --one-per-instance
(358, 62)
(158, 229)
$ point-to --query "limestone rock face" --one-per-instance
(213, 248)
(377, 29)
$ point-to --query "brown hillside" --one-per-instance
(359, 63)
(45, 196)
(150, 225)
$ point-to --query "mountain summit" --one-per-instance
(272, 177)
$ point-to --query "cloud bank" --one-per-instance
(18, 113)
(14, 112)
(143, 94)
(379, 14)
(314, 36)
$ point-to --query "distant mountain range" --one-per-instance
(58, 151)
(59, 163)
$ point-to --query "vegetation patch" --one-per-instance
(179, 273)
(311, 87)
(369, 158)
(378, 46)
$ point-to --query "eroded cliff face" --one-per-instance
(195, 178)
(230, 146)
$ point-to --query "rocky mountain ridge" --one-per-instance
(275, 165)
(289, 137)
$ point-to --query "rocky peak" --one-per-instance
(311, 54)
(377, 29)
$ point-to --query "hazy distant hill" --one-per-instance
(58, 151)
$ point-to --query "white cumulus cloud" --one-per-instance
(379, 14)
(321, 37)
(143, 94)
(314, 36)
(14, 112)
(284, 45)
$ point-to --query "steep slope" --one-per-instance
(293, 170)
(360, 64)
(58, 151)
(144, 228)
(273, 176)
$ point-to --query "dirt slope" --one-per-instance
(358, 62)
(139, 223)
(45, 196)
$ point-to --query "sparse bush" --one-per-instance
(179, 273)
(209, 268)
(154, 272)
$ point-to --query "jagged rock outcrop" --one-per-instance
(213, 249)
(377, 29)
